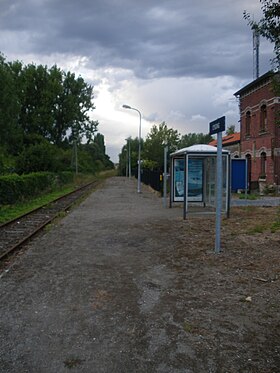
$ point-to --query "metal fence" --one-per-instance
(152, 178)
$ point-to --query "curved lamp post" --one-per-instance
(139, 148)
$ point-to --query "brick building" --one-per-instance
(231, 143)
(260, 130)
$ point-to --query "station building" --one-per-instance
(260, 130)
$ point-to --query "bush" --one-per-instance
(7, 162)
(36, 158)
(64, 177)
(15, 188)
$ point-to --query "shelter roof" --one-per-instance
(199, 149)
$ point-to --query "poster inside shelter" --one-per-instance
(195, 179)
(179, 165)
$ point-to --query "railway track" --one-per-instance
(18, 231)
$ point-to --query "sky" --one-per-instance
(178, 61)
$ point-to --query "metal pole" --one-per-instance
(139, 148)
(126, 164)
(186, 158)
(139, 156)
(76, 156)
(246, 178)
(171, 182)
(129, 159)
(219, 185)
(228, 185)
(165, 177)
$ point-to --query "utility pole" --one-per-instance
(76, 156)
(165, 177)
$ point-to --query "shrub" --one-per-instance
(15, 188)
(37, 157)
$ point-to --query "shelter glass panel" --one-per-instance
(195, 179)
(179, 172)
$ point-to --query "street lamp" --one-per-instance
(139, 148)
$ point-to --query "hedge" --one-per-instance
(15, 188)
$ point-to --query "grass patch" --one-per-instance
(257, 229)
(9, 212)
(248, 196)
(276, 224)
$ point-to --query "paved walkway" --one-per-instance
(262, 201)
(82, 296)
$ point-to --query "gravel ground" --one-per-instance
(123, 285)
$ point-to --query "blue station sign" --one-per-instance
(217, 125)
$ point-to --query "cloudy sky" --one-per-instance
(178, 61)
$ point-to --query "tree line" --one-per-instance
(44, 112)
(153, 147)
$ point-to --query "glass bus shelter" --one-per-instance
(193, 179)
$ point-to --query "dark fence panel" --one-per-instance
(152, 178)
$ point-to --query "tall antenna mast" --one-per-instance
(256, 53)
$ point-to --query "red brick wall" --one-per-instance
(259, 141)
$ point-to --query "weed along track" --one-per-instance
(18, 231)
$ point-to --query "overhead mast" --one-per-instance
(256, 53)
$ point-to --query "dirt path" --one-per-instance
(123, 285)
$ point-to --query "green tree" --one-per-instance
(159, 137)
(123, 156)
(230, 130)
(10, 134)
(75, 104)
(99, 141)
(42, 112)
(100, 152)
(37, 157)
(194, 138)
(36, 113)
(54, 104)
(92, 156)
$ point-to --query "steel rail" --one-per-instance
(18, 231)
(47, 204)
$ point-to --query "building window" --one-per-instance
(249, 170)
(263, 164)
(263, 124)
(248, 123)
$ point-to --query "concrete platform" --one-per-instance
(85, 296)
